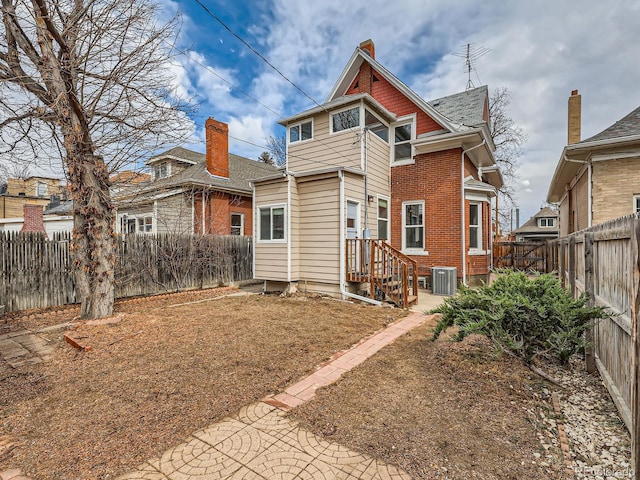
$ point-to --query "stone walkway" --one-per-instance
(23, 347)
(260, 442)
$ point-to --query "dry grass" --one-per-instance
(438, 410)
(89, 415)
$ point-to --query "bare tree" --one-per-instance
(84, 86)
(277, 147)
(509, 139)
(265, 157)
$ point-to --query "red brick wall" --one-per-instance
(33, 218)
(434, 178)
(218, 209)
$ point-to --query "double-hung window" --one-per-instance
(402, 136)
(383, 218)
(300, 132)
(475, 226)
(272, 222)
(237, 224)
(345, 119)
(413, 225)
(547, 222)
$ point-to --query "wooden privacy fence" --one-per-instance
(36, 272)
(526, 256)
(604, 262)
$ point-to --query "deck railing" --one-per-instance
(389, 273)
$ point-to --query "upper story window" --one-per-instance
(547, 222)
(402, 136)
(345, 119)
(300, 132)
(375, 125)
(161, 170)
(42, 189)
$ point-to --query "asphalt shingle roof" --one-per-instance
(531, 225)
(465, 107)
(627, 126)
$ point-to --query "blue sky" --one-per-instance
(540, 51)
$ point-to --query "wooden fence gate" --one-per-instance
(526, 256)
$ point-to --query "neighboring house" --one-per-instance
(542, 226)
(377, 161)
(32, 190)
(37, 222)
(597, 179)
(191, 192)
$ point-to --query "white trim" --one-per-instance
(353, 106)
(615, 156)
(476, 197)
(479, 238)
(388, 219)
(406, 119)
(271, 206)
(636, 204)
(358, 216)
(413, 251)
(342, 235)
(299, 124)
(154, 219)
(287, 220)
(254, 231)
(231, 214)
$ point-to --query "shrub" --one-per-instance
(529, 316)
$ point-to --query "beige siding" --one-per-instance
(270, 258)
(564, 217)
(615, 182)
(294, 236)
(324, 149)
(320, 230)
(174, 215)
(378, 180)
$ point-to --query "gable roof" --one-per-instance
(353, 66)
(241, 171)
(626, 127)
(531, 225)
(464, 108)
(177, 153)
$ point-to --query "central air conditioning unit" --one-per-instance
(443, 281)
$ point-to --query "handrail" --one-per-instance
(398, 253)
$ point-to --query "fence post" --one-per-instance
(572, 266)
(563, 264)
(634, 304)
(589, 288)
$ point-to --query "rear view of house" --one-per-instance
(379, 187)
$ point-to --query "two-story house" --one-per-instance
(597, 179)
(191, 192)
(539, 228)
(377, 177)
(27, 191)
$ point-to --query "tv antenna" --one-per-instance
(471, 54)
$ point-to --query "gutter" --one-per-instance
(463, 216)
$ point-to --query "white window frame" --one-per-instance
(157, 170)
(392, 139)
(413, 251)
(478, 235)
(142, 226)
(241, 215)
(348, 129)
(42, 189)
(636, 203)
(271, 207)
(299, 126)
(385, 198)
(546, 221)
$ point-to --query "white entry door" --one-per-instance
(353, 209)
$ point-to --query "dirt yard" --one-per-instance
(160, 374)
(441, 410)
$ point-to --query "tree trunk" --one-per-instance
(94, 252)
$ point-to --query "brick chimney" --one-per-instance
(575, 114)
(217, 148)
(369, 47)
(33, 219)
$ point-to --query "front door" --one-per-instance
(352, 219)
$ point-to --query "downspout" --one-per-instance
(288, 232)
(589, 195)
(463, 214)
(254, 231)
(193, 214)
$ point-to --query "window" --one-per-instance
(301, 132)
(413, 225)
(345, 119)
(402, 142)
(42, 189)
(547, 222)
(375, 125)
(636, 204)
(383, 218)
(161, 170)
(475, 226)
(272, 223)
(237, 224)
(145, 224)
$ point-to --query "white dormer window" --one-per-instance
(301, 132)
(546, 222)
(161, 170)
